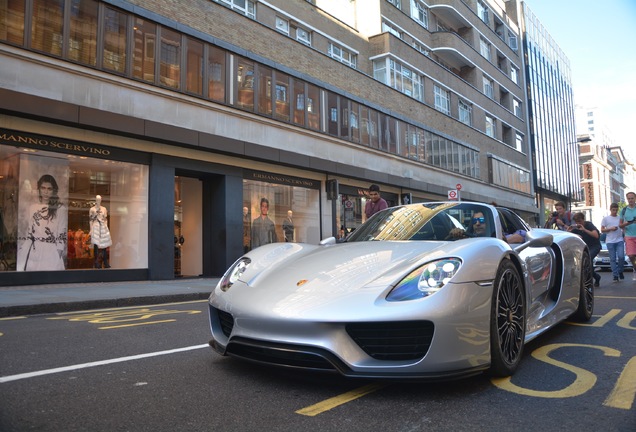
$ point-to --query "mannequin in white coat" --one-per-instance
(100, 235)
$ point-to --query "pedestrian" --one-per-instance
(288, 226)
(610, 226)
(247, 226)
(628, 217)
(591, 236)
(263, 229)
(560, 218)
(376, 203)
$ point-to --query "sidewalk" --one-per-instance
(37, 299)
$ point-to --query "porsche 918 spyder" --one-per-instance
(428, 290)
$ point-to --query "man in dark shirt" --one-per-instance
(590, 235)
(376, 203)
(263, 229)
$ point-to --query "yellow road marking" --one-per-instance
(12, 318)
(604, 319)
(583, 382)
(129, 307)
(114, 316)
(625, 389)
(136, 324)
(326, 405)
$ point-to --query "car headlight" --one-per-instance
(234, 273)
(425, 280)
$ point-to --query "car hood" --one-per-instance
(341, 266)
(286, 276)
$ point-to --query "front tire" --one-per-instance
(507, 321)
(586, 290)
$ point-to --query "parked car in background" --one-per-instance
(602, 261)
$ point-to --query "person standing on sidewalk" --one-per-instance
(590, 235)
(376, 203)
(614, 241)
(628, 217)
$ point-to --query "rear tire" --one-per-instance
(507, 321)
(586, 290)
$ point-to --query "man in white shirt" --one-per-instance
(610, 226)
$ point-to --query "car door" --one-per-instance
(539, 262)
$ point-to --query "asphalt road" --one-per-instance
(150, 369)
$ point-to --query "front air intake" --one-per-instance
(406, 340)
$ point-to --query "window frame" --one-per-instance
(419, 13)
(282, 25)
(303, 36)
(442, 99)
(465, 112)
(490, 126)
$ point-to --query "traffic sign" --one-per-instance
(458, 186)
(452, 194)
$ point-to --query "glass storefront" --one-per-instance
(279, 208)
(67, 211)
(350, 208)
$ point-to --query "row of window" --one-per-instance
(411, 83)
(143, 50)
(282, 24)
(403, 78)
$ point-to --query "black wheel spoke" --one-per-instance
(510, 316)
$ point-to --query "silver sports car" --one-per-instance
(431, 290)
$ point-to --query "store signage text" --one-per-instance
(16, 139)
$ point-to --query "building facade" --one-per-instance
(200, 123)
(550, 102)
(605, 178)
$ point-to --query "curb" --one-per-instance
(36, 309)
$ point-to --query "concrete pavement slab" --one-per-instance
(36, 299)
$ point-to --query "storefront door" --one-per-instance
(188, 238)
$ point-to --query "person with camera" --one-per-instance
(590, 235)
(560, 219)
(628, 217)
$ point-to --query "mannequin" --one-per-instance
(100, 235)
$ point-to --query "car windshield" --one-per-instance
(427, 221)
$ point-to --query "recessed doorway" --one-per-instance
(188, 227)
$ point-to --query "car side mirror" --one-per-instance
(328, 241)
(535, 238)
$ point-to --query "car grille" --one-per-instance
(227, 322)
(294, 356)
(407, 340)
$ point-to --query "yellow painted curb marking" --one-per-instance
(326, 405)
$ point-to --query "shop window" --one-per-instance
(264, 90)
(48, 204)
(354, 116)
(266, 207)
(145, 35)
(281, 96)
(12, 22)
(299, 102)
(216, 74)
(245, 84)
(170, 59)
(82, 45)
(332, 109)
(115, 41)
(47, 27)
(313, 107)
(194, 67)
